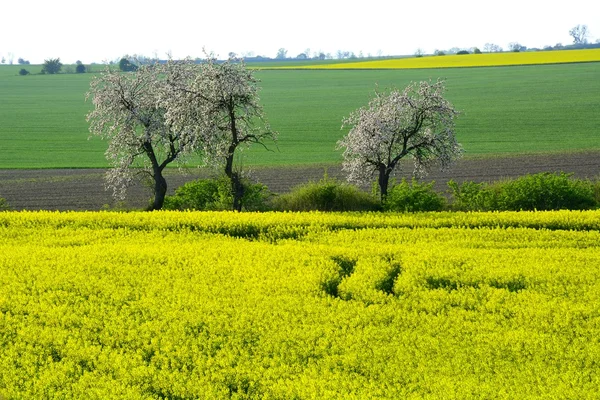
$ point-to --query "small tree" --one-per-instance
(417, 122)
(127, 66)
(579, 34)
(79, 68)
(221, 105)
(128, 112)
(51, 66)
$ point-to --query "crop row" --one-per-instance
(180, 305)
(276, 224)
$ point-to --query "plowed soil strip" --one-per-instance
(83, 189)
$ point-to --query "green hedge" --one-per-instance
(215, 195)
(544, 191)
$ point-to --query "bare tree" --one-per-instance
(128, 113)
(516, 47)
(221, 105)
(281, 54)
(417, 122)
(492, 48)
(580, 34)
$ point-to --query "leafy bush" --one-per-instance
(547, 192)
(414, 197)
(23, 71)
(215, 194)
(3, 204)
(201, 194)
(471, 196)
(326, 195)
(462, 52)
(257, 197)
(126, 66)
(544, 191)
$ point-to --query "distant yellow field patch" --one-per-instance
(472, 60)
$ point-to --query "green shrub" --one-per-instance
(547, 191)
(257, 197)
(215, 195)
(326, 195)
(544, 191)
(471, 196)
(201, 194)
(4, 205)
(414, 197)
(23, 72)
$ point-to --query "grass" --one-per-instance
(505, 110)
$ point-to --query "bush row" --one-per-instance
(545, 191)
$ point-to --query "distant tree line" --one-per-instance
(579, 33)
(53, 66)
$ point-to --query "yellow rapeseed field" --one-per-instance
(471, 60)
(223, 305)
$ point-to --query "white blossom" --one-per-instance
(129, 113)
(219, 105)
(416, 122)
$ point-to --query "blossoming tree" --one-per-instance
(128, 112)
(220, 104)
(416, 122)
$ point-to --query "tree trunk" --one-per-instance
(160, 190)
(384, 180)
(237, 187)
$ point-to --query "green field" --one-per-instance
(550, 108)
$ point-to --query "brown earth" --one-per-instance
(83, 189)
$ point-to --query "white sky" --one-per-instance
(105, 30)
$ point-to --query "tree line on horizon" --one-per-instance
(580, 34)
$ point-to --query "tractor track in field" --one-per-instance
(83, 189)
